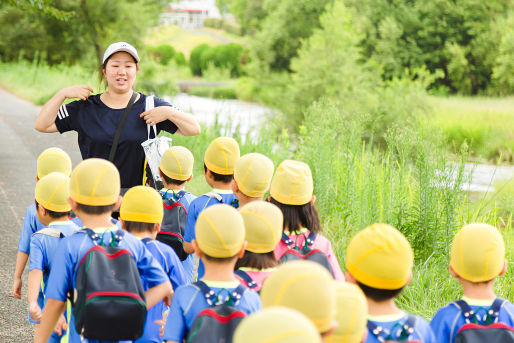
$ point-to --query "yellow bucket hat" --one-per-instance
(263, 224)
(292, 183)
(351, 314)
(478, 252)
(142, 204)
(52, 192)
(177, 163)
(380, 256)
(253, 173)
(276, 325)
(53, 160)
(221, 155)
(95, 182)
(220, 231)
(304, 286)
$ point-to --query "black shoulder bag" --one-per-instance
(117, 135)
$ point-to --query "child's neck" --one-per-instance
(243, 199)
(215, 271)
(144, 234)
(176, 188)
(60, 219)
(221, 185)
(94, 221)
(479, 291)
(382, 308)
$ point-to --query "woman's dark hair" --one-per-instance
(53, 214)
(297, 217)
(378, 294)
(138, 226)
(168, 180)
(256, 260)
(89, 209)
(218, 177)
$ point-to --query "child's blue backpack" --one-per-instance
(109, 302)
(173, 225)
(218, 322)
(304, 253)
(401, 333)
(485, 329)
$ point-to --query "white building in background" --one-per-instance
(189, 13)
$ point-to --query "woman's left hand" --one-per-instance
(155, 115)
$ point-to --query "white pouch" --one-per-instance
(154, 147)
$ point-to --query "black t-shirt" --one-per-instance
(96, 125)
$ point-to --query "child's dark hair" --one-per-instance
(218, 177)
(138, 226)
(218, 259)
(89, 209)
(297, 217)
(53, 214)
(256, 260)
(169, 181)
(378, 294)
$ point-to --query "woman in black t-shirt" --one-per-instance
(96, 117)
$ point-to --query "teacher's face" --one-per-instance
(120, 72)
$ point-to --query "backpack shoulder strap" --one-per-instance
(207, 292)
(250, 283)
(309, 240)
(146, 240)
(408, 327)
(378, 331)
(50, 231)
(287, 240)
(465, 309)
(494, 311)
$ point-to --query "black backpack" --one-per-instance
(305, 253)
(250, 283)
(401, 335)
(218, 322)
(487, 330)
(173, 226)
(109, 299)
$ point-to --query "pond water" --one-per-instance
(232, 113)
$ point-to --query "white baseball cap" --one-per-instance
(120, 46)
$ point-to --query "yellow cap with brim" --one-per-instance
(53, 160)
(351, 314)
(478, 252)
(221, 155)
(292, 183)
(95, 182)
(304, 286)
(263, 224)
(380, 256)
(142, 204)
(253, 173)
(177, 163)
(52, 192)
(220, 231)
(276, 325)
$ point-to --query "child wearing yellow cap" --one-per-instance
(304, 286)
(220, 241)
(219, 162)
(141, 214)
(477, 258)
(292, 191)
(379, 260)
(50, 160)
(94, 193)
(277, 325)
(252, 177)
(53, 212)
(351, 313)
(263, 225)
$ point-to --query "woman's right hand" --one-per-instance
(80, 91)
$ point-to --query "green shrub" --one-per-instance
(180, 59)
(163, 53)
(225, 56)
(215, 23)
(195, 59)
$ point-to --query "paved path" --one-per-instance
(20, 145)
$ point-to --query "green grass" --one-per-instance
(485, 124)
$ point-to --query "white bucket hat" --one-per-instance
(120, 46)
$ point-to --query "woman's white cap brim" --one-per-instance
(120, 46)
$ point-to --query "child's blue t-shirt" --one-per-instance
(171, 264)
(30, 225)
(71, 250)
(448, 320)
(394, 323)
(197, 206)
(189, 301)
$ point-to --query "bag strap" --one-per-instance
(123, 119)
(50, 231)
(250, 283)
(146, 240)
(116, 237)
(149, 105)
(466, 310)
(309, 240)
(379, 332)
(383, 335)
(494, 311)
(213, 298)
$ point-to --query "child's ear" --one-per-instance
(235, 189)
(156, 227)
(313, 200)
(189, 179)
(452, 272)
(349, 278)
(73, 204)
(198, 252)
(241, 252)
(268, 199)
(118, 203)
(504, 269)
(123, 226)
(37, 178)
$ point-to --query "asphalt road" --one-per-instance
(20, 146)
